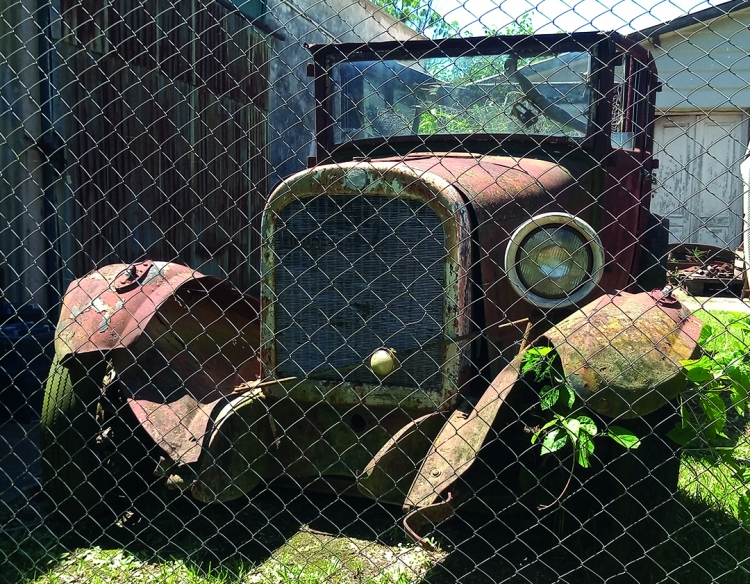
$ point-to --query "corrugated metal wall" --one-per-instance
(162, 108)
(22, 212)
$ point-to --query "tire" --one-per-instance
(74, 479)
(90, 475)
(97, 462)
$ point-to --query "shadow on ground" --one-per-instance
(705, 545)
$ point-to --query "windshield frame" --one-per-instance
(601, 46)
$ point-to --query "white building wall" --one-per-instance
(702, 131)
(706, 66)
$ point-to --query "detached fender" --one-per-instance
(178, 343)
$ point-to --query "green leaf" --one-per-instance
(573, 427)
(699, 375)
(743, 508)
(536, 359)
(554, 441)
(539, 432)
(742, 325)
(540, 351)
(587, 425)
(699, 370)
(705, 362)
(716, 412)
(549, 396)
(623, 437)
(584, 449)
(739, 388)
(706, 333)
(570, 395)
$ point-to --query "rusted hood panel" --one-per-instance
(500, 188)
(107, 309)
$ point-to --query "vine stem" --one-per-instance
(565, 488)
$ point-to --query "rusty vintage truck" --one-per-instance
(469, 199)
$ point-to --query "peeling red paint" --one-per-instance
(96, 317)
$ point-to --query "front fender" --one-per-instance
(622, 353)
(110, 307)
(178, 344)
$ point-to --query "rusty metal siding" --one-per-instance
(167, 132)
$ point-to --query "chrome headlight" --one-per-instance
(554, 260)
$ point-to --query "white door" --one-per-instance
(698, 183)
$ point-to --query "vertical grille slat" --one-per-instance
(354, 273)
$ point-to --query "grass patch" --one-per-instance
(726, 333)
(710, 539)
(712, 482)
(306, 558)
(95, 565)
(312, 557)
(707, 544)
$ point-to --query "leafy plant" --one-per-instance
(721, 383)
(696, 255)
(566, 426)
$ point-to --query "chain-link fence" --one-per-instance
(328, 292)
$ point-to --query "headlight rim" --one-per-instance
(521, 234)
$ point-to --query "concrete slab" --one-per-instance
(731, 304)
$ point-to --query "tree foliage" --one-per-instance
(421, 16)
(522, 25)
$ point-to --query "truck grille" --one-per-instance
(355, 273)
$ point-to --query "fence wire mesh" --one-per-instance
(383, 293)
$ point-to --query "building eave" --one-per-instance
(654, 32)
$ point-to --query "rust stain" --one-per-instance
(198, 346)
(456, 447)
(96, 317)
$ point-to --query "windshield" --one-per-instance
(532, 93)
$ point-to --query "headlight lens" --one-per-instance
(554, 260)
